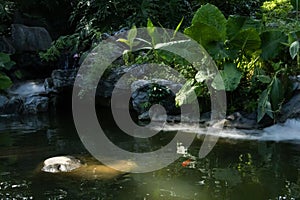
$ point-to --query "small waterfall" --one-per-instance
(27, 88)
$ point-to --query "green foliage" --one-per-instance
(111, 15)
(5, 81)
(240, 46)
(130, 42)
(272, 43)
(294, 49)
(6, 11)
(273, 96)
(5, 61)
(279, 15)
(296, 4)
(5, 65)
(236, 7)
(208, 26)
(231, 77)
(64, 44)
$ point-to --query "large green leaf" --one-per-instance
(296, 4)
(231, 78)
(237, 23)
(186, 94)
(152, 32)
(264, 78)
(203, 34)
(272, 43)
(5, 82)
(264, 105)
(211, 16)
(294, 49)
(247, 40)
(132, 33)
(5, 61)
(276, 93)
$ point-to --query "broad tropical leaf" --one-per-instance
(203, 34)
(237, 23)
(294, 49)
(264, 78)
(276, 94)
(231, 78)
(211, 16)
(264, 105)
(272, 43)
(5, 61)
(247, 40)
(5, 82)
(186, 94)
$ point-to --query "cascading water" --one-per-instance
(288, 132)
(28, 97)
(27, 88)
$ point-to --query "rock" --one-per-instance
(237, 120)
(107, 84)
(35, 104)
(61, 80)
(146, 93)
(6, 46)
(3, 101)
(61, 164)
(291, 109)
(296, 82)
(27, 97)
(14, 106)
(30, 38)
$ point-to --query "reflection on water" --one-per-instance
(235, 169)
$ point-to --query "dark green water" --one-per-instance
(235, 169)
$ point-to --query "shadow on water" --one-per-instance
(235, 169)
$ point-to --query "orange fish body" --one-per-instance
(186, 163)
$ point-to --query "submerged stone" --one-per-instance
(61, 164)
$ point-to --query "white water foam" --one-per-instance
(27, 88)
(288, 131)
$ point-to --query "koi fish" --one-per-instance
(186, 163)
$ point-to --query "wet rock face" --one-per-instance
(60, 80)
(30, 38)
(6, 46)
(146, 93)
(61, 164)
(291, 109)
(25, 98)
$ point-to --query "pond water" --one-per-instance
(237, 168)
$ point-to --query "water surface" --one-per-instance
(237, 168)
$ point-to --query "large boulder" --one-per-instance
(35, 104)
(291, 109)
(61, 80)
(6, 46)
(30, 38)
(146, 93)
(13, 106)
